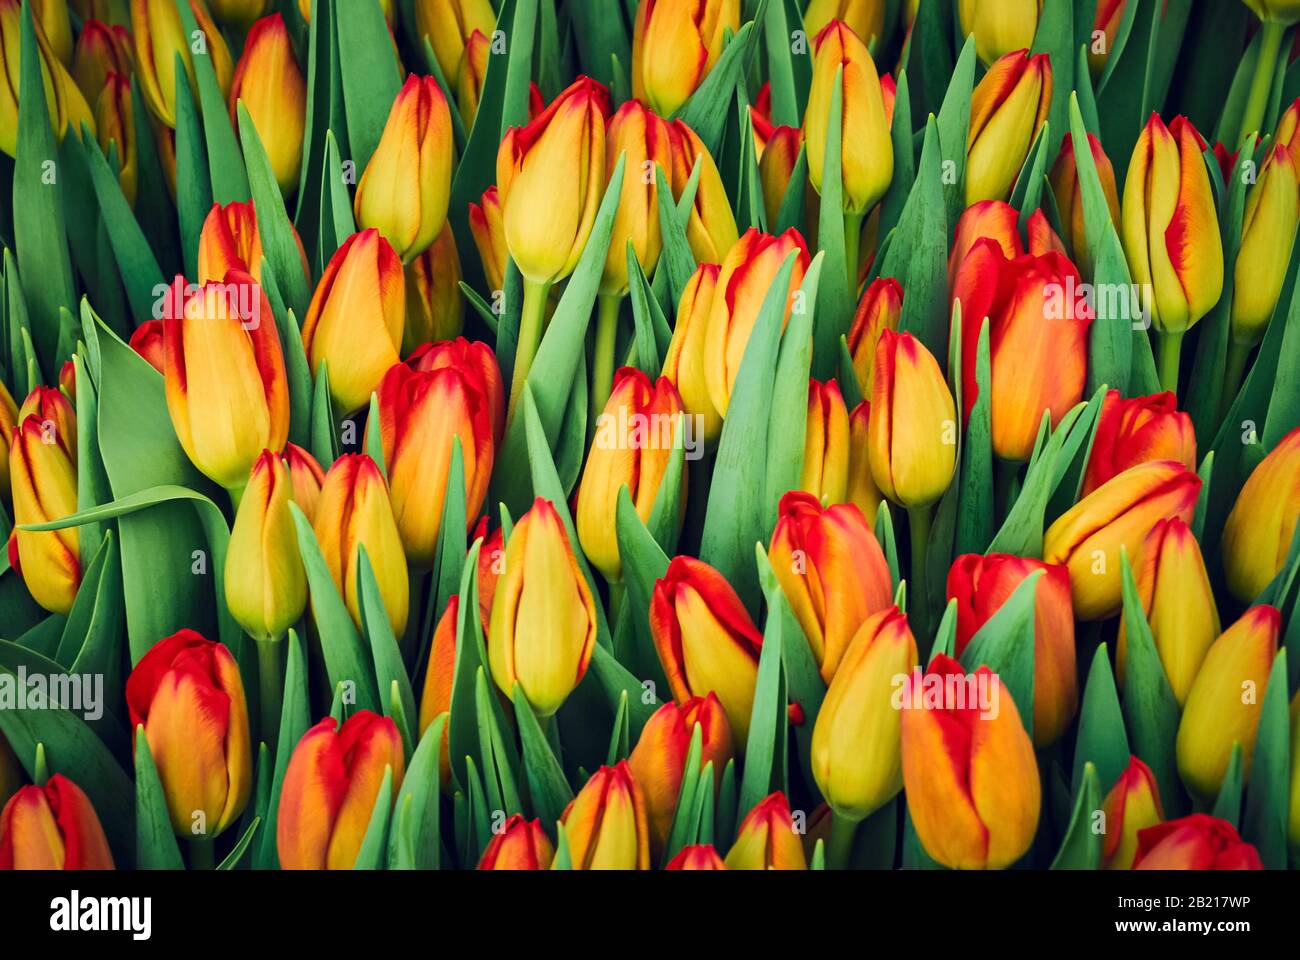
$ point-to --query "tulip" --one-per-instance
(1132, 806)
(305, 476)
(1196, 842)
(994, 220)
(606, 822)
(330, 787)
(489, 232)
(706, 640)
(473, 358)
(711, 230)
(52, 827)
(658, 761)
(1088, 537)
(115, 130)
(1174, 588)
(697, 857)
(1105, 22)
(354, 511)
(879, 309)
(1266, 237)
(640, 136)
(405, 189)
(491, 564)
(1135, 431)
(226, 387)
(274, 93)
(1286, 132)
(633, 445)
(862, 490)
(521, 845)
(357, 318)
(101, 50)
(855, 744)
(832, 570)
(43, 476)
(420, 416)
(748, 271)
(435, 699)
(1171, 233)
(1069, 196)
(675, 44)
(684, 364)
(147, 341)
(970, 773)
(448, 26)
(471, 76)
(62, 96)
(825, 472)
(866, 18)
(160, 37)
(1223, 706)
(57, 416)
(8, 421)
(543, 626)
(239, 13)
(230, 240)
(776, 168)
(1261, 526)
(435, 309)
(187, 694)
(767, 839)
(1007, 109)
(999, 28)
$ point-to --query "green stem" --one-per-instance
(1233, 375)
(1261, 85)
(602, 376)
(270, 688)
(203, 853)
(840, 848)
(919, 524)
(1171, 348)
(852, 248)
(530, 335)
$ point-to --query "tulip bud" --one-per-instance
(855, 744)
(472, 75)
(867, 152)
(1007, 109)
(767, 839)
(551, 177)
(706, 640)
(448, 26)
(1287, 126)
(435, 309)
(642, 138)
(606, 822)
(330, 787)
(521, 845)
(231, 240)
(147, 341)
(862, 490)
(187, 694)
(711, 230)
(989, 219)
(1257, 536)
(52, 827)
(1196, 842)
(305, 476)
(101, 50)
(274, 93)
(473, 358)
(1223, 706)
(658, 761)
(1088, 537)
(748, 271)
(435, 699)
(356, 318)
(866, 18)
(879, 309)
(1174, 588)
(491, 564)
(489, 231)
(1001, 27)
(981, 585)
(632, 447)
(58, 418)
(543, 625)
(968, 768)
(825, 472)
(684, 364)
(912, 433)
(160, 37)
(697, 857)
(1105, 27)
(115, 130)
(43, 475)
(675, 44)
(420, 416)
(266, 586)
(1266, 237)
(1069, 196)
(1135, 431)
(1132, 806)
(776, 168)
(1169, 225)
(354, 512)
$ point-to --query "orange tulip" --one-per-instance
(489, 232)
(43, 477)
(1007, 109)
(606, 822)
(52, 827)
(306, 476)
(448, 25)
(435, 308)
(1105, 22)
(472, 357)
(102, 49)
(1196, 842)
(711, 230)
(160, 38)
(767, 839)
(825, 472)
(697, 857)
(1267, 234)
(1069, 196)
(521, 845)
(230, 240)
(115, 130)
(471, 76)
(1132, 806)
(675, 44)
(273, 91)
(438, 675)
(1257, 536)
(1135, 431)
(685, 363)
(879, 309)
(640, 136)
(776, 168)
(862, 490)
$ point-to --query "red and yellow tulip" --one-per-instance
(767, 839)
(1195, 842)
(1132, 806)
(270, 84)
(605, 823)
(521, 845)
(1137, 430)
(675, 44)
(52, 827)
(1261, 526)
(1008, 107)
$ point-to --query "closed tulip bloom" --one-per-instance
(1284, 12)
(43, 477)
(697, 857)
(658, 760)
(471, 76)
(825, 472)
(521, 845)
(265, 584)
(994, 220)
(147, 341)
(1174, 588)
(970, 775)
(675, 44)
(1088, 537)
(711, 230)
(999, 28)
(1105, 22)
(101, 49)
(226, 387)
(1007, 109)
(767, 839)
(230, 240)
(305, 476)
(1195, 842)
(489, 232)
(912, 432)
(862, 490)
(115, 130)
(357, 318)
(473, 358)
(543, 625)
(1069, 196)
(776, 168)
(330, 787)
(880, 309)
(1266, 237)
(435, 699)
(435, 308)
(187, 694)
(1135, 431)
(271, 86)
(866, 18)
(855, 746)
(640, 136)
(57, 416)
(747, 272)
(448, 25)
(491, 564)
(1259, 530)
(52, 827)
(1132, 806)
(867, 152)
(1287, 126)
(685, 363)
(1223, 705)
(160, 37)
(606, 822)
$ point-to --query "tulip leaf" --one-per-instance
(1081, 846)
(790, 72)
(1227, 805)
(1005, 644)
(791, 213)
(1055, 37)
(724, 816)
(619, 747)
(904, 179)
(451, 540)
(945, 637)
(884, 529)
(297, 372)
(238, 851)
(324, 112)
(614, 679)
(600, 35)
(1102, 742)
(413, 842)
(683, 831)
(976, 517)
(915, 856)
(850, 388)
(953, 124)
(374, 845)
(324, 439)
(500, 762)
(549, 790)
(706, 110)
(1084, 92)
(571, 444)
(295, 720)
(336, 221)
(1206, 475)
(378, 631)
(1284, 400)
(1265, 821)
(789, 398)
(92, 639)
(92, 255)
(1124, 94)
(765, 757)
(92, 482)
(155, 841)
(838, 294)
(644, 562)
(563, 855)
(229, 181)
(652, 334)
(927, 54)
(1027, 192)
(677, 261)
(372, 77)
(748, 190)
(1073, 458)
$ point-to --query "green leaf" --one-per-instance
(644, 562)
(1081, 847)
(371, 76)
(682, 832)
(413, 842)
(790, 72)
(374, 845)
(229, 182)
(237, 852)
(546, 784)
(765, 748)
(1102, 742)
(976, 517)
(954, 124)
(1227, 805)
(378, 631)
(706, 110)
(155, 842)
(789, 403)
(1265, 820)
(1055, 37)
(837, 295)
(1005, 644)
(295, 719)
